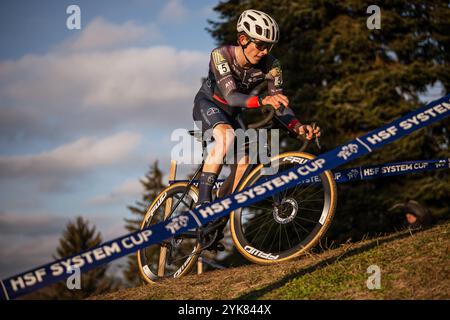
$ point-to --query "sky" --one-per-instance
(83, 113)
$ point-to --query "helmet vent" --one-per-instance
(252, 17)
(247, 25)
(259, 30)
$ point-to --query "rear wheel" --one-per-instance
(176, 256)
(287, 224)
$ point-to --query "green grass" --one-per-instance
(415, 267)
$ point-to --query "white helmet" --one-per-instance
(258, 25)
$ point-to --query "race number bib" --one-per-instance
(223, 68)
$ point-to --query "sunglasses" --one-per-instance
(261, 45)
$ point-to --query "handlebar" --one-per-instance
(270, 110)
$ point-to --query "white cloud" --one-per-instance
(136, 78)
(128, 189)
(79, 156)
(99, 34)
(93, 92)
(123, 79)
(173, 12)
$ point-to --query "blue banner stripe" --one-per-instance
(371, 172)
(53, 272)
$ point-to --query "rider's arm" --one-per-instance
(226, 84)
(275, 86)
(287, 116)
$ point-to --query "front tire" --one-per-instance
(173, 257)
(288, 224)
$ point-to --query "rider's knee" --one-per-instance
(224, 136)
(241, 167)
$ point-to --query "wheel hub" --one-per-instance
(286, 211)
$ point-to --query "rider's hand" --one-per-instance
(308, 131)
(276, 101)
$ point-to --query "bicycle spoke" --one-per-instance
(259, 229)
(262, 215)
(287, 237)
(302, 194)
(320, 190)
(279, 239)
(270, 248)
(306, 219)
(302, 190)
(307, 231)
(268, 232)
(262, 208)
(187, 205)
(261, 223)
(316, 210)
(295, 229)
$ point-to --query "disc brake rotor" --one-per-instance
(286, 211)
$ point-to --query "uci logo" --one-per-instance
(212, 111)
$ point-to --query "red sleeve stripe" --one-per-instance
(220, 99)
(252, 102)
(292, 124)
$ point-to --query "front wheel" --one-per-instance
(289, 223)
(176, 256)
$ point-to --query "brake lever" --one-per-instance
(316, 140)
(314, 125)
(302, 137)
(317, 143)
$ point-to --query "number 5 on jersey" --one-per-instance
(223, 68)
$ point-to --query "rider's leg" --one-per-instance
(237, 171)
(240, 170)
(230, 184)
(224, 137)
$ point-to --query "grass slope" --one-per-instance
(414, 265)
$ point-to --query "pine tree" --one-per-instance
(351, 80)
(78, 236)
(153, 185)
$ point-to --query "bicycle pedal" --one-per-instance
(218, 247)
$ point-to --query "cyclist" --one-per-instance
(234, 71)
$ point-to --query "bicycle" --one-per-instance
(301, 216)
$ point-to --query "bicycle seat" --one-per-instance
(199, 136)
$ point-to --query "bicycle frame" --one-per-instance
(194, 234)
